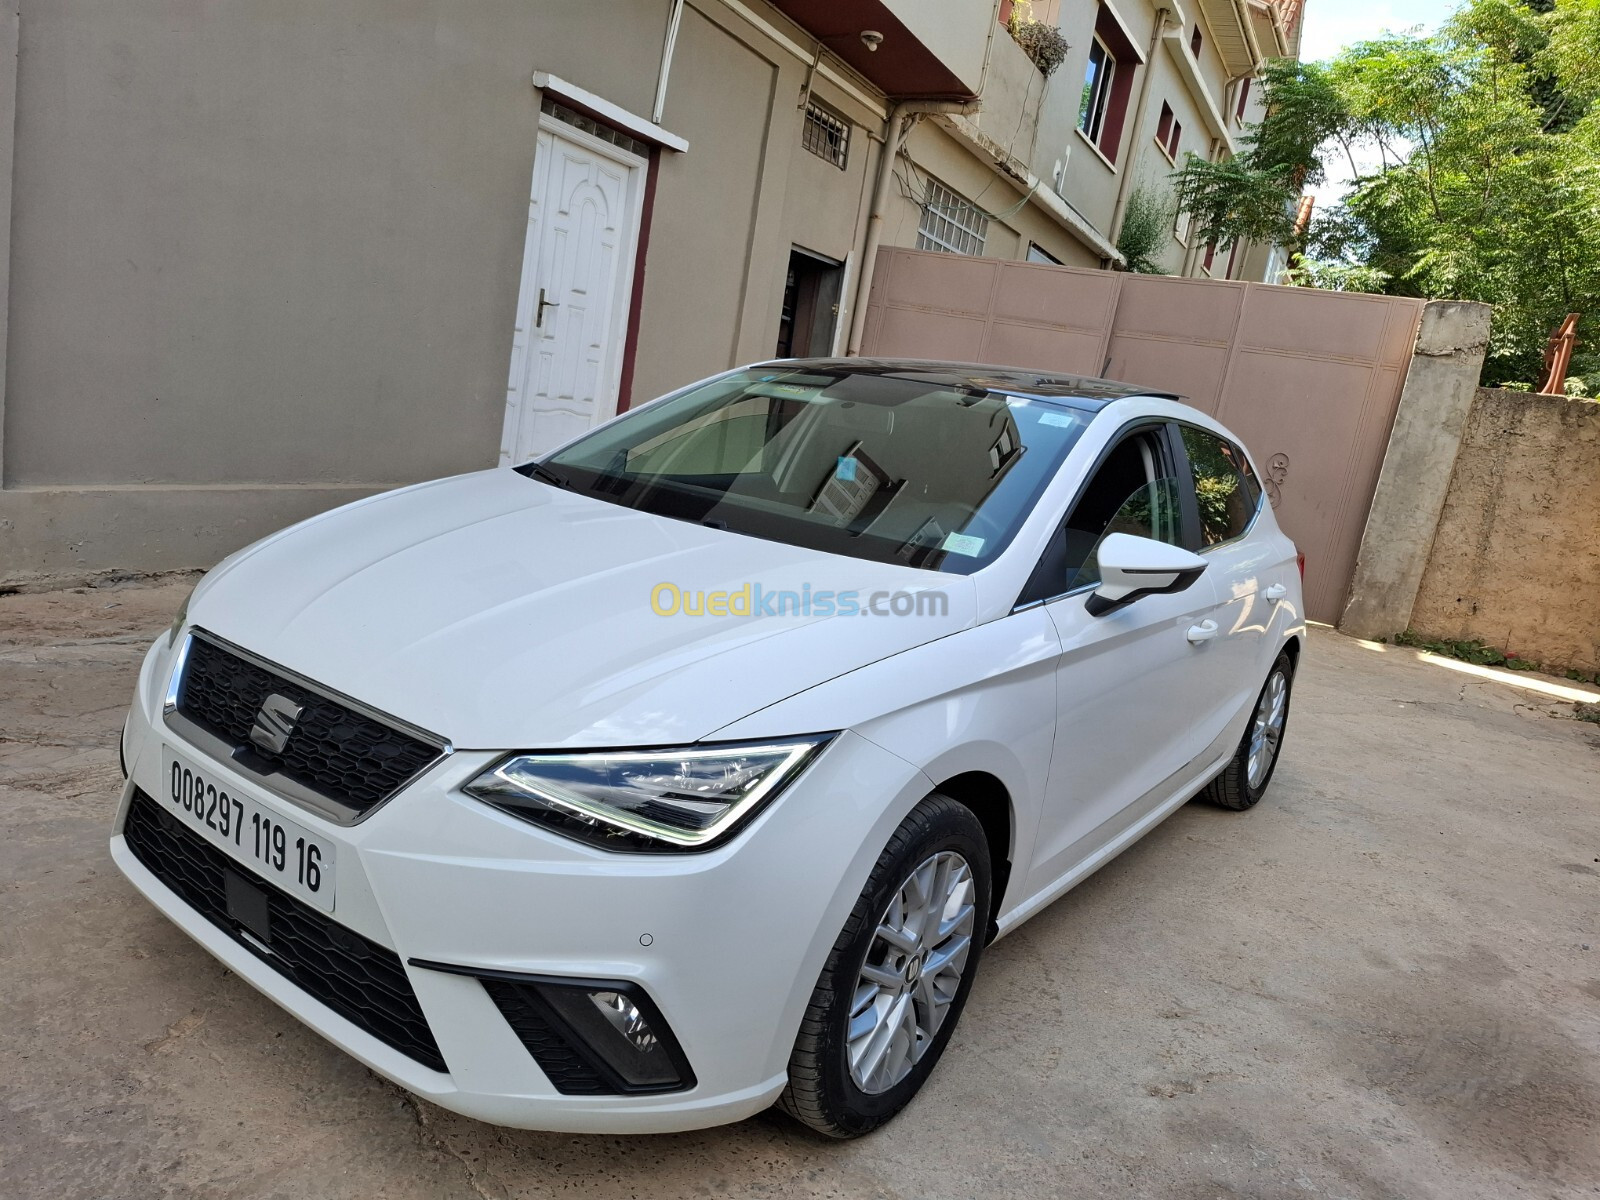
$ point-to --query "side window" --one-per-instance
(1126, 495)
(1152, 512)
(1225, 487)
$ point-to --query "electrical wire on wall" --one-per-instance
(913, 186)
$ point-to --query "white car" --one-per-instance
(690, 769)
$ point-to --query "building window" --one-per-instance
(1195, 42)
(1096, 101)
(1038, 254)
(1244, 98)
(826, 134)
(1169, 132)
(950, 223)
(567, 116)
(1182, 226)
(1114, 61)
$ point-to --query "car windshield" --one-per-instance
(901, 467)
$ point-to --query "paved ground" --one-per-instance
(1380, 983)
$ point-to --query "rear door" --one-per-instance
(1228, 502)
(1126, 681)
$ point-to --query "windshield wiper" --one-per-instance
(542, 472)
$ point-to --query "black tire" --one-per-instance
(821, 1091)
(1232, 788)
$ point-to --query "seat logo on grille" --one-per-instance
(275, 721)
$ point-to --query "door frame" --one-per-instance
(527, 290)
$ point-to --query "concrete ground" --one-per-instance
(1383, 982)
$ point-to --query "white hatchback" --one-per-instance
(690, 769)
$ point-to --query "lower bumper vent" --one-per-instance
(363, 982)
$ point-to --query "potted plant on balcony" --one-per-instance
(1040, 41)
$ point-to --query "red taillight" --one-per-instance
(1300, 558)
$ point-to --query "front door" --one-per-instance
(1124, 681)
(577, 276)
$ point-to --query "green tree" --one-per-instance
(1146, 228)
(1486, 137)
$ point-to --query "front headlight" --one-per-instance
(646, 800)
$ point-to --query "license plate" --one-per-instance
(283, 853)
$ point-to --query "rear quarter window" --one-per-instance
(1225, 487)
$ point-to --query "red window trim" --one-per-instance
(1128, 59)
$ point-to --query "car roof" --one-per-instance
(1080, 391)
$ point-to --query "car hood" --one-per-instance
(503, 613)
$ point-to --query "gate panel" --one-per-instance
(1309, 379)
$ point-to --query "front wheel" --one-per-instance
(1245, 778)
(898, 976)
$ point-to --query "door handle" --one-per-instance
(1276, 592)
(1202, 632)
(538, 317)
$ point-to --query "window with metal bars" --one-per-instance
(950, 223)
(826, 134)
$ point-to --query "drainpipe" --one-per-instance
(1125, 188)
(895, 127)
(668, 44)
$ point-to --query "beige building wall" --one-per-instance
(1516, 559)
(745, 192)
(1093, 179)
(267, 258)
(1085, 176)
(1014, 223)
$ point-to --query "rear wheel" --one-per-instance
(1245, 778)
(898, 976)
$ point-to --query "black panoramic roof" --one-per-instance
(1080, 390)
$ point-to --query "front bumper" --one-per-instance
(728, 944)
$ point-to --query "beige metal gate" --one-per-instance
(1309, 379)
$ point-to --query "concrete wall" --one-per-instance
(1417, 463)
(1516, 559)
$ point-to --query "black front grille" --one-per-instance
(335, 751)
(353, 975)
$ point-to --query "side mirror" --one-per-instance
(1131, 567)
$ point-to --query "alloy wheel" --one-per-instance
(912, 972)
(1266, 731)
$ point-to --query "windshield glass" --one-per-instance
(889, 467)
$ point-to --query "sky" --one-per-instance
(1330, 25)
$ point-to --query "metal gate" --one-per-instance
(1309, 379)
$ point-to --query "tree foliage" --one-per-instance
(1476, 157)
(1146, 228)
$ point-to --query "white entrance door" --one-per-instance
(577, 276)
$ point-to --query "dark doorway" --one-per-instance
(810, 305)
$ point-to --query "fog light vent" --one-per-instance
(589, 1036)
